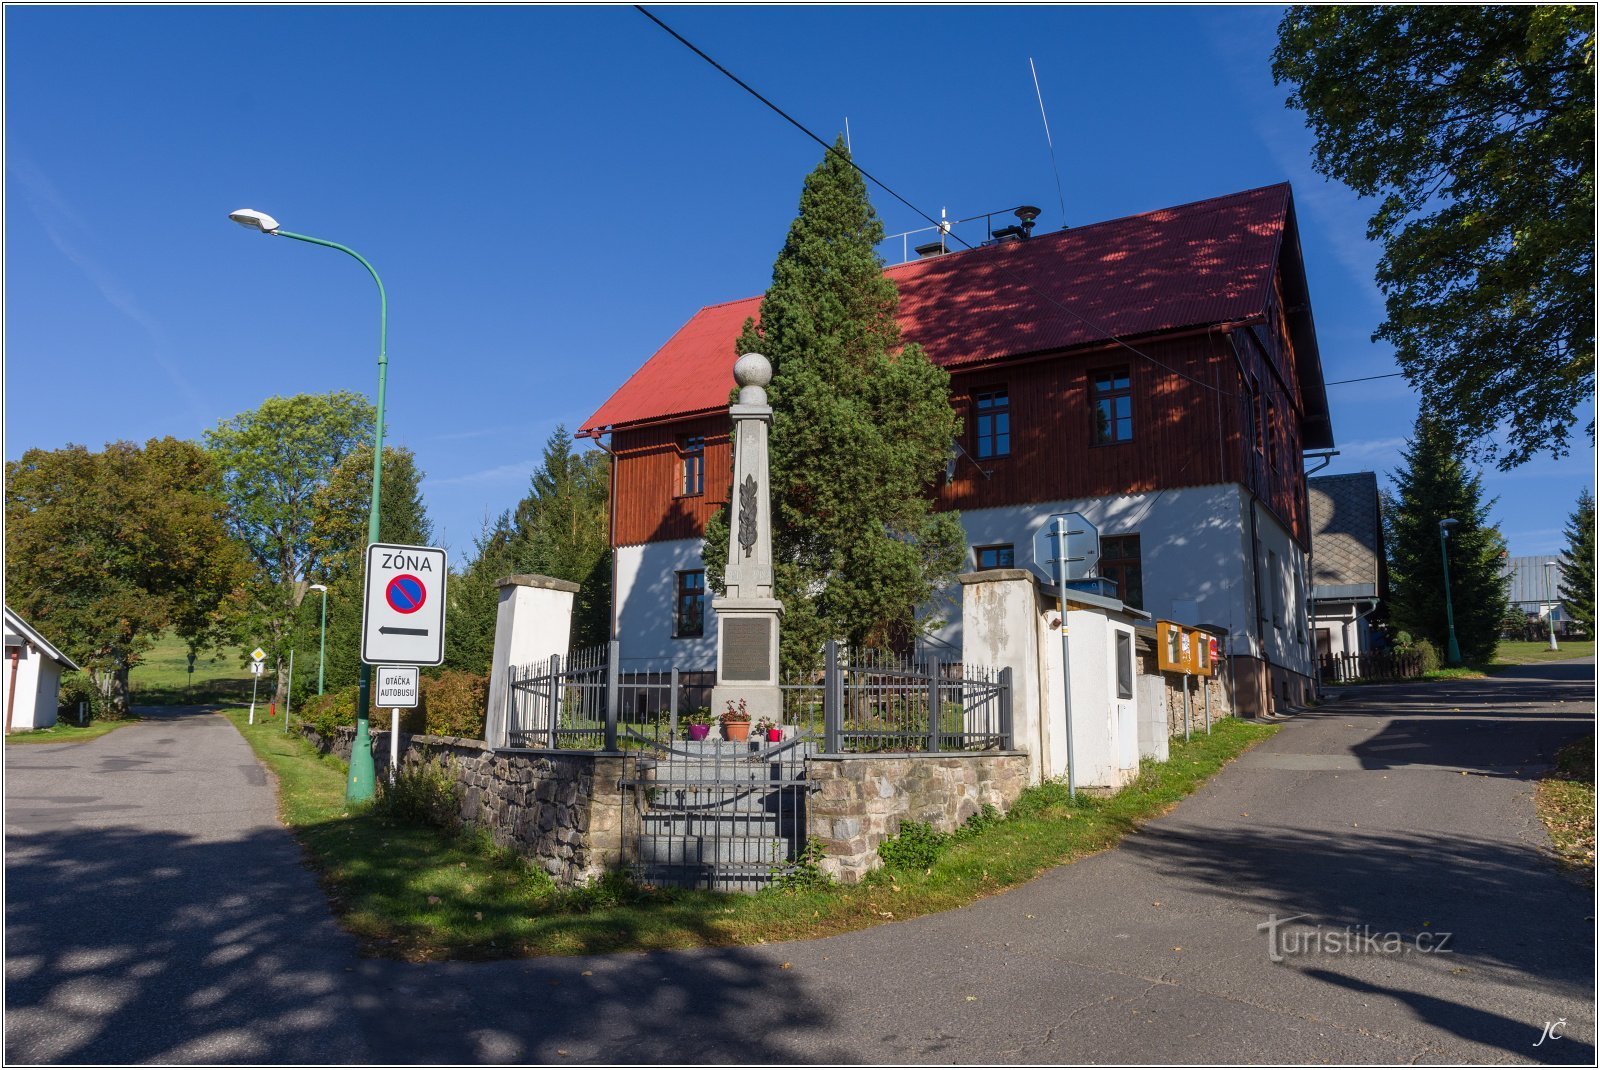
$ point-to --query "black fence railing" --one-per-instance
(859, 702)
(1385, 665)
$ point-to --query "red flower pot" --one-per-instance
(774, 735)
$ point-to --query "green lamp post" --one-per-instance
(322, 642)
(359, 786)
(1453, 649)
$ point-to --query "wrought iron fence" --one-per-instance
(859, 702)
(1386, 665)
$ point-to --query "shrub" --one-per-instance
(329, 712)
(1427, 654)
(986, 818)
(614, 888)
(454, 703)
(423, 794)
(918, 846)
(76, 687)
(804, 872)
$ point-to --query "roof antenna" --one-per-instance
(1048, 141)
(847, 146)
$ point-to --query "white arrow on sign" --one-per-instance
(402, 618)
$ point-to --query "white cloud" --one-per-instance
(500, 473)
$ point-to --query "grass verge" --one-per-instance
(1565, 801)
(1512, 653)
(418, 893)
(69, 732)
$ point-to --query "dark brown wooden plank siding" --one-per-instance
(648, 472)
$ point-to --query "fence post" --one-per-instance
(613, 689)
(832, 698)
(1007, 738)
(672, 720)
(933, 706)
(555, 700)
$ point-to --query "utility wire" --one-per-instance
(1048, 140)
(1364, 379)
(792, 121)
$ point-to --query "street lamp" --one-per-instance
(1452, 650)
(1549, 606)
(322, 644)
(358, 788)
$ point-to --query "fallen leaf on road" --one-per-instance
(972, 999)
(477, 915)
(588, 973)
(785, 966)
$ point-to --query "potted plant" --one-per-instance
(771, 730)
(736, 722)
(700, 724)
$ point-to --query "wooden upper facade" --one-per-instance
(1231, 399)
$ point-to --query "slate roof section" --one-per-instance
(1346, 530)
(1198, 264)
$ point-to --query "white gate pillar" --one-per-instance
(533, 623)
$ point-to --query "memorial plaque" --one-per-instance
(746, 648)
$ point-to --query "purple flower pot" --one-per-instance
(698, 732)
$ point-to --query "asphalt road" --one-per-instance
(156, 912)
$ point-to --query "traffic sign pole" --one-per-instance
(394, 743)
(1060, 524)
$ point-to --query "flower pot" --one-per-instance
(737, 731)
(774, 735)
(698, 732)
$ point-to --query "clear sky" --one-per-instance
(550, 193)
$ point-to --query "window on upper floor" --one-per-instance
(996, 556)
(1252, 415)
(1119, 561)
(692, 464)
(991, 430)
(1272, 433)
(1113, 406)
(689, 615)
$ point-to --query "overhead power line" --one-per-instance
(1364, 379)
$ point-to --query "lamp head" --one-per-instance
(1447, 523)
(318, 587)
(249, 217)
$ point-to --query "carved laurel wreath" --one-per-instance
(747, 514)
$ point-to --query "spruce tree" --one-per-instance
(1435, 484)
(861, 431)
(474, 600)
(1577, 565)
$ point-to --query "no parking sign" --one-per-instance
(402, 620)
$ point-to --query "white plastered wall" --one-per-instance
(645, 604)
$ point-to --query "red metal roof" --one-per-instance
(1201, 263)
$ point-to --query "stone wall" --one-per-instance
(861, 799)
(563, 809)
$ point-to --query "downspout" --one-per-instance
(611, 523)
(1311, 577)
(11, 691)
(1255, 562)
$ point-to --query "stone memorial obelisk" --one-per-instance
(747, 612)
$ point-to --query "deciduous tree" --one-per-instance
(861, 432)
(105, 551)
(1474, 126)
(1435, 484)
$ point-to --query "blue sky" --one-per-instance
(550, 193)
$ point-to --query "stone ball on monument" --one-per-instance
(752, 372)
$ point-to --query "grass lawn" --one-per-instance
(1511, 653)
(69, 732)
(1565, 800)
(162, 679)
(417, 893)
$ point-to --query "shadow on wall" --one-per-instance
(134, 946)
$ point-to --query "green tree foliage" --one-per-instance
(862, 427)
(1434, 484)
(560, 529)
(338, 539)
(105, 551)
(1577, 564)
(274, 459)
(1475, 128)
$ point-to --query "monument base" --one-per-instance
(747, 657)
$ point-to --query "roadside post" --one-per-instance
(288, 695)
(188, 691)
(402, 624)
(258, 661)
(398, 690)
(1065, 547)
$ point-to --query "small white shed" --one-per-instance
(32, 674)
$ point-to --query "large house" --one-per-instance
(1157, 373)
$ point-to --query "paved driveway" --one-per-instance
(1401, 810)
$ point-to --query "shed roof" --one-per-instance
(18, 626)
(1198, 264)
(1346, 529)
(1525, 577)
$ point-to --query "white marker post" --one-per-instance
(258, 659)
(397, 689)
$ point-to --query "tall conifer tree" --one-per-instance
(861, 432)
(1435, 484)
(1577, 565)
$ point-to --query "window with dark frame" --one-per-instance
(1124, 665)
(991, 423)
(1272, 433)
(1119, 561)
(1252, 412)
(1113, 407)
(996, 557)
(692, 449)
(689, 620)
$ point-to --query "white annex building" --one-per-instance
(33, 675)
